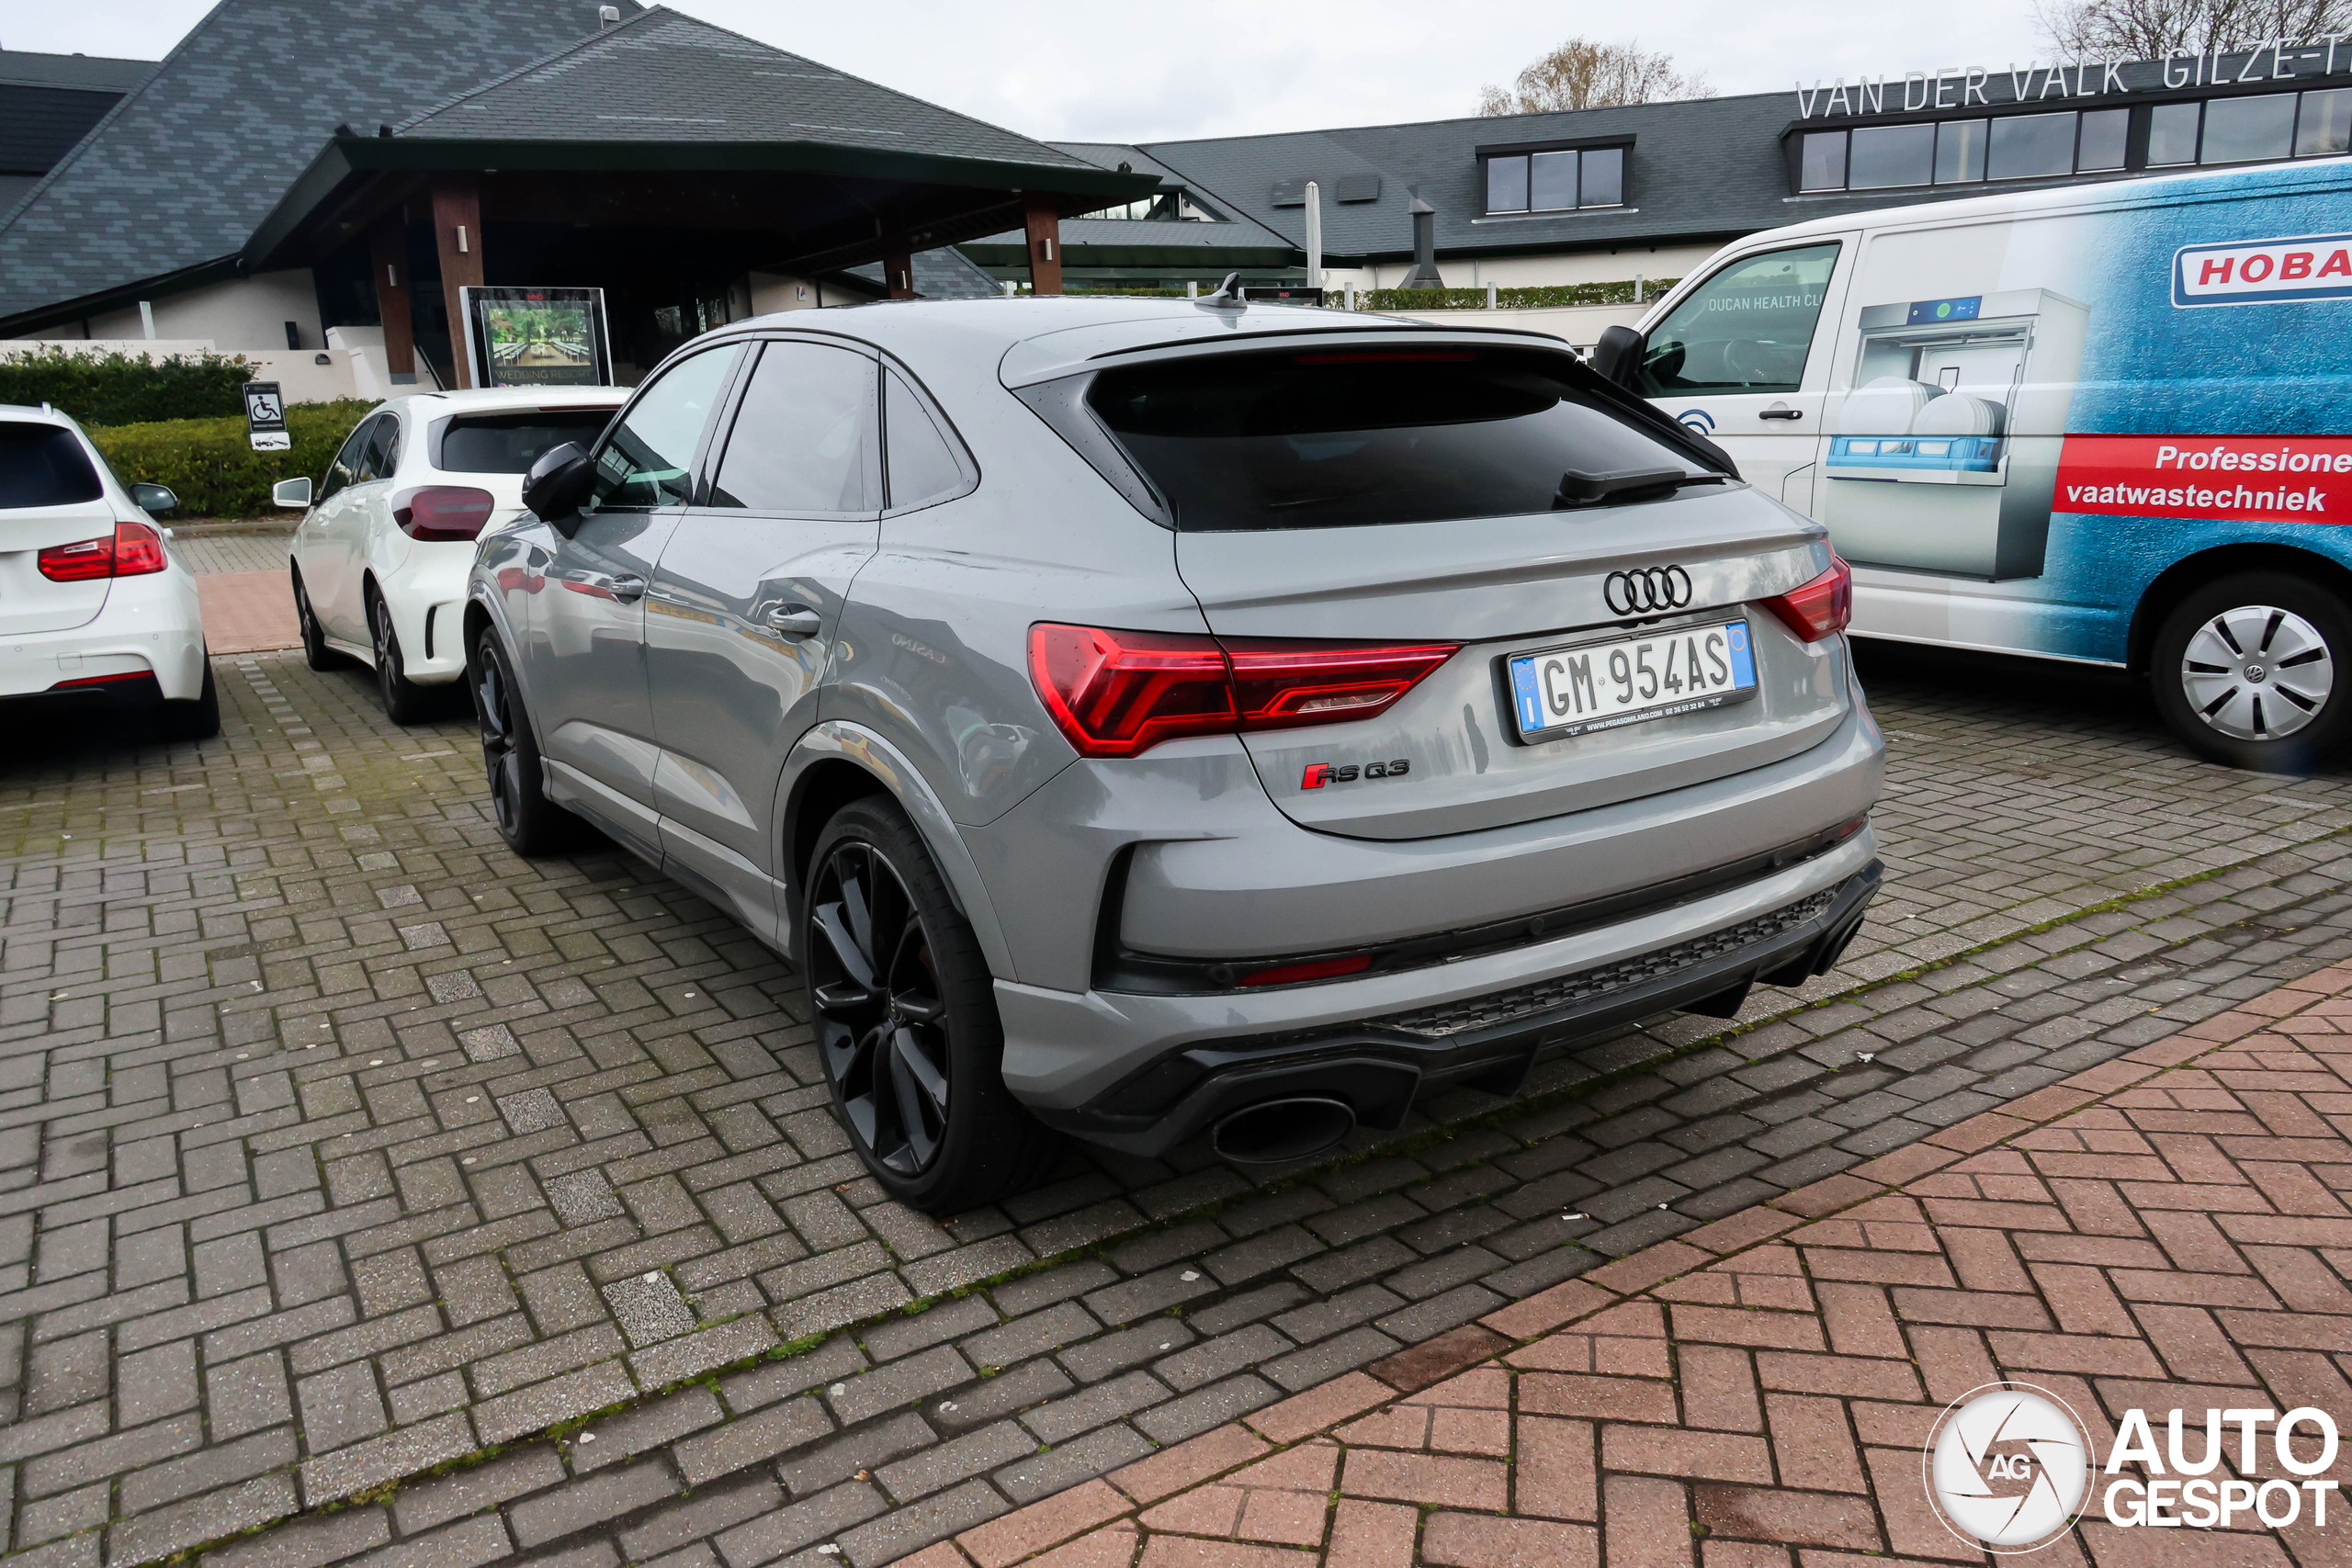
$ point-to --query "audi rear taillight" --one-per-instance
(133, 550)
(432, 512)
(1118, 693)
(1822, 606)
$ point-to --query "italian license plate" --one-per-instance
(1560, 692)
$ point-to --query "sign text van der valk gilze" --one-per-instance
(1958, 86)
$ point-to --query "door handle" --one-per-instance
(1778, 412)
(794, 620)
(628, 590)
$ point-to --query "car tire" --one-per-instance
(2254, 669)
(194, 719)
(405, 701)
(315, 652)
(904, 1011)
(531, 824)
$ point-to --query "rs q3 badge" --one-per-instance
(1321, 773)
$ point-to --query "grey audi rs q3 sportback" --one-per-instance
(1146, 720)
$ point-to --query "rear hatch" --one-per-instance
(1494, 498)
(50, 498)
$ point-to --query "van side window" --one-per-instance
(1744, 330)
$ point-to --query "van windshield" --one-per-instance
(1345, 437)
(43, 465)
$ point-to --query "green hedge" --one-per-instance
(213, 468)
(115, 388)
(1619, 292)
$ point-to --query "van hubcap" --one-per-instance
(880, 1022)
(2257, 673)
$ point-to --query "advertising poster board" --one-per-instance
(536, 337)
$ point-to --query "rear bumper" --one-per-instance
(1378, 1066)
(152, 623)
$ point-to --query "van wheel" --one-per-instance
(2251, 671)
(315, 652)
(405, 701)
(905, 1020)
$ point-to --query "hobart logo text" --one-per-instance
(2263, 271)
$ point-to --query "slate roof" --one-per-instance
(944, 273)
(669, 77)
(180, 170)
(95, 73)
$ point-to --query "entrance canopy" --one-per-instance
(664, 147)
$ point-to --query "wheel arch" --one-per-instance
(838, 763)
(2182, 578)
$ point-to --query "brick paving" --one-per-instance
(2164, 1231)
(338, 1145)
(242, 578)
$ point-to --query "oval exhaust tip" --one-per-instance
(1280, 1130)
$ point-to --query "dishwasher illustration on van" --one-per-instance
(1944, 456)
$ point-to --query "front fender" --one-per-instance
(905, 784)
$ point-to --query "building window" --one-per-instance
(2099, 146)
(1884, 155)
(2325, 124)
(1556, 182)
(1960, 152)
(2031, 146)
(2245, 131)
(2172, 134)
(1824, 161)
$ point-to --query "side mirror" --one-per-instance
(558, 482)
(294, 495)
(1616, 355)
(152, 498)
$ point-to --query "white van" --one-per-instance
(2109, 423)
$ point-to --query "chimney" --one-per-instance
(1424, 273)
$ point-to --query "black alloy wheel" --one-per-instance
(315, 652)
(906, 1021)
(405, 701)
(529, 822)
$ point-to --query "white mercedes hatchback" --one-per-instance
(97, 609)
(380, 557)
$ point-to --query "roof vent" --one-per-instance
(1291, 193)
(1359, 188)
(607, 15)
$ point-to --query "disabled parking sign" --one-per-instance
(265, 417)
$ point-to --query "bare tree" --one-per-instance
(1585, 74)
(2155, 30)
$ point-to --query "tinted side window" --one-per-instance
(803, 440)
(511, 443)
(42, 465)
(1746, 328)
(648, 459)
(383, 451)
(346, 468)
(923, 464)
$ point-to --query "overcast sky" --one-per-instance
(1142, 71)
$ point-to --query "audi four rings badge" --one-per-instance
(1647, 590)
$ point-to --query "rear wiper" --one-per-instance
(1579, 488)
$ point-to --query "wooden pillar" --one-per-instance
(387, 257)
(457, 235)
(899, 268)
(1045, 225)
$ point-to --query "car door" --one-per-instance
(318, 541)
(742, 614)
(584, 674)
(1737, 360)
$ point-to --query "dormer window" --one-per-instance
(1554, 179)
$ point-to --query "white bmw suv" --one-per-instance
(380, 557)
(97, 610)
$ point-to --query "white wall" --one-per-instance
(239, 316)
(300, 378)
(1537, 272)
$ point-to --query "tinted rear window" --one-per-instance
(43, 465)
(1345, 437)
(511, 443)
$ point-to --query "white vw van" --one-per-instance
(2109, 423)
